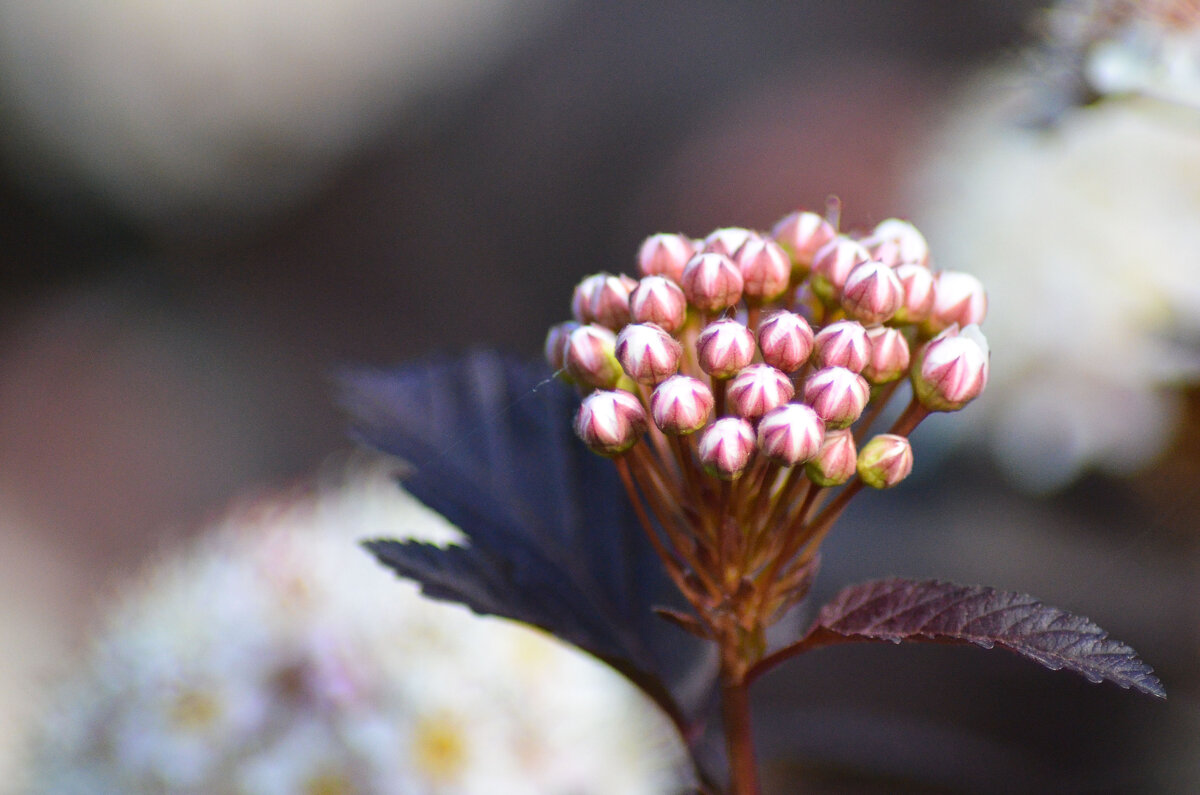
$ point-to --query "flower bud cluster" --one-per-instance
(774, 343)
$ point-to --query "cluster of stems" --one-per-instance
(736, 385)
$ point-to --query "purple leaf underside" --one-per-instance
(899, 610)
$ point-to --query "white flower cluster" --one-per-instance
(1086, 235)
(279, 657)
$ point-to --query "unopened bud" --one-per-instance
(917, 282)
(837, 395)
(889, 355)
(952, 369)
(648, 353)
(836, 461)
(885, 461)
(872, 293)
(610, 422)
(832, 265)
(681, 405)
(801, 234)
(726, 241)
(842, 344)
(590, 356)
(765, 268)
(711, 282)
(785, 340)
(659, 300)
(556, 343)
(958, 298)
(790, 434)
(895, 241)
(665, 255)
(726, 447)
(757, 389)
(724, 347)
(581, 299)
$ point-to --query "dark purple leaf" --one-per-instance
(553, 540)
(898, 610)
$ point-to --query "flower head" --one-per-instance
(757, 389)
(726, 447)
(711, 282)
(659, 300)
(610, 421)
(952, 370)
(837, 395)
(665, 255)
(681, 405)
(885, 461)
(724, 348)
(647, 353)
(785, 340)
(801, 235)
(790, 434)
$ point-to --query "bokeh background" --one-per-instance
(207, 209)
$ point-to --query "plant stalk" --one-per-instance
(739, 738)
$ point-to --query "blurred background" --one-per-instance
(209, 208)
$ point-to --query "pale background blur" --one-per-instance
(208, 209)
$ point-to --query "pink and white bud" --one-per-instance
(895, 241)
(785, 340)
(665, 255)
(836, 461)
(832, 265)
(610, 301)
(801, 234)
(765, 268)
(757, 389)
(681, 405)
(952, 370)
(581, 299)
(658, 300)
(648, 354)
(885, 461)
(958, 298)
(556, 343)
(917, 282)
(872, 293)
(589, 355)
(790, 434)
(726, 241)
(837, 395)
(723, 348)
(610, 421)
(711, 282)
(842, 344)
(889, 355)
(726, 447)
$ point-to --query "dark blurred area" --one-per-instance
(157, 363)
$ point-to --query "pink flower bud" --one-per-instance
(590, 356)
(885, 461)
(889, 355)
(832, 265)
(726, 241)
(556, 343)
(681, 405)
(790, 434)
(648, 353)
(765, 268)
(610, 422)
(895, 241)
(726, 447)
(837, 395)
(842, 344)
(659, 300)
(917, 281)
(581, 299)
(757, 389)
(958, 298)
(785, 340)
(952, 370)
(665, 255)
(724, 347)
(801, 234)
(872, 293)
(836, 461)
(711, 282)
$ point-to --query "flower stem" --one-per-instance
(739, 737)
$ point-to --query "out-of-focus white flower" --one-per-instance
(279, 657)
(237, 106)
(1086, 236)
